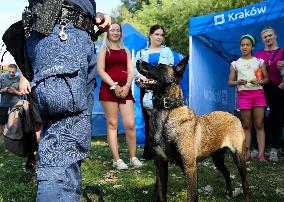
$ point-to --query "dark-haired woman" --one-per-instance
(155, 53)
(251, 75)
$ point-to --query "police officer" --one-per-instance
(61, 51)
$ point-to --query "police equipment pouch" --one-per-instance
(71, 87)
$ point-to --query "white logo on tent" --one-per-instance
(254, 11)
(219, 19)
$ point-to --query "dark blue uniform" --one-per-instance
(64, 81)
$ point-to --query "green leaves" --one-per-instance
(133, 5)
(173, 15)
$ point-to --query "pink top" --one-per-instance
(273, 72)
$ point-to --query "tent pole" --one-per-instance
(190, 74)
(133, 59)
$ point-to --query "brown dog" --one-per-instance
(182, 137)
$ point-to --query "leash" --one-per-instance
(95, 36)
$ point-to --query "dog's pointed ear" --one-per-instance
(139, 65)
(180, 67)
(138, 62)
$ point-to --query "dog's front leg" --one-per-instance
(161, 179)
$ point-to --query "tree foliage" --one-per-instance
(133, 5)
(173, 15)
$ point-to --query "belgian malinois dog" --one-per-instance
(180, 136)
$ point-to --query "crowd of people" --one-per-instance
(68, 76)
(259, 85)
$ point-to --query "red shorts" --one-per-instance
(249, 99)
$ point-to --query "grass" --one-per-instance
(266, 179)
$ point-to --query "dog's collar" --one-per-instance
(167, 102)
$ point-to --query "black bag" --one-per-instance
(20, 136)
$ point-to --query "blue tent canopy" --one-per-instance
(221, 32)
(214, 44)
(133, 39)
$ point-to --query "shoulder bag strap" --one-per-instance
(273, 56)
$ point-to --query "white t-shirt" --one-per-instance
(245, 69)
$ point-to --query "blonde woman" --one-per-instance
(117, 72)
(272, 56)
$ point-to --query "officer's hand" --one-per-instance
(103, 21)
(24, 87)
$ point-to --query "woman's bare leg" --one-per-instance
(111, 113)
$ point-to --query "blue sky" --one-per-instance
(11, 11)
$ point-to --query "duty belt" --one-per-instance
(69, 13)
(79, 19)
